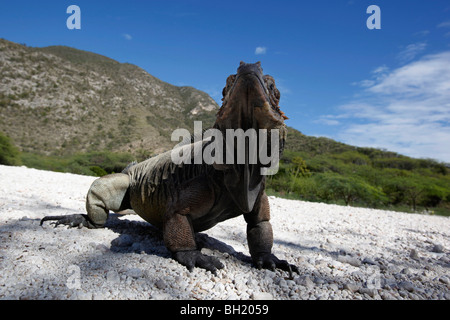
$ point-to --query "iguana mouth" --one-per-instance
(250, 100)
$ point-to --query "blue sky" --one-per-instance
(386, 88)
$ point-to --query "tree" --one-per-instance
(433, 195)
(298, 167)
(413, 190)
(349, 189)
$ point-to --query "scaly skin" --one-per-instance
(184, 199)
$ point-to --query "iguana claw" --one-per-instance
(271, 262)
(194, 258)
(72, 221)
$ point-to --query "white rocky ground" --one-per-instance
(342, 252)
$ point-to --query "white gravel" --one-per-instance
(342, 252)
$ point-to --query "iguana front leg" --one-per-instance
(260, 238)
(179, 238)
(193, 200)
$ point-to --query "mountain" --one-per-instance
(59, 100)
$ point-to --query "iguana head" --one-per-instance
(250, 100)
(250, 103)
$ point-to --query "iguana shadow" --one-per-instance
(142, 237)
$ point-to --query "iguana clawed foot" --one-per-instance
(271, 262)
(72, 220)
(194, 258)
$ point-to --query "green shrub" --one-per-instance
(9, 153)
(353, 157)
(93, 163)
(99, 172)
(306, 188)
(402, 163)
(110, 162)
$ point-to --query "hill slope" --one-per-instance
(59, 100)
(321, 169)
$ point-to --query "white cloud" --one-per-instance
(422, 33)
(378, 73)
(127, 36)
(445, 24)
(260, 50)
(429, 75)
(364, 83)
(406, 111)
(327, 121)
(411, 51)
(380, 70)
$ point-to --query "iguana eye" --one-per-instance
(230, 80)
(229, 84)
(269, 82)
(277, 94)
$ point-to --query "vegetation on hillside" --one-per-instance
(320, 169)
(58, 101)
(97, 163)
(325, 171)
(9, 153)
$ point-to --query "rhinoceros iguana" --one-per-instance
(184, 198)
